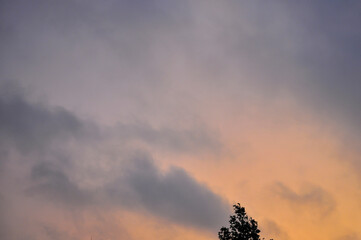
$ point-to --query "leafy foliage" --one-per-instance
(241, 226)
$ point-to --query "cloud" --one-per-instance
(53, 184)
(301, 48)
(315, 198)
(166, 63)
(179, 141)
(141, 186)
(173, 194)
(50, 164)
(30, 126)
(34, 126)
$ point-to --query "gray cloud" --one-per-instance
(330, 57)
(300, 48)
(53, 184)
(297, 45)
(314, 197)
(35, 126)
(141, 186)
(181, 141)
(31, 126)
(173, 195)
(53, 172)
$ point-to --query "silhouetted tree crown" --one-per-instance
(241, 226)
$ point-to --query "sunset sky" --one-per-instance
(149, 119)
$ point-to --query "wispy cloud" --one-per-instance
(315, 198)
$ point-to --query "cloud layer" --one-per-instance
(165, 112)
(34, 131)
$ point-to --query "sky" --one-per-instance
(149, 119)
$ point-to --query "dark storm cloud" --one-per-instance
(173, 195)
(315, 197)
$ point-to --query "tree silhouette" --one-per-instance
(241, 226)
